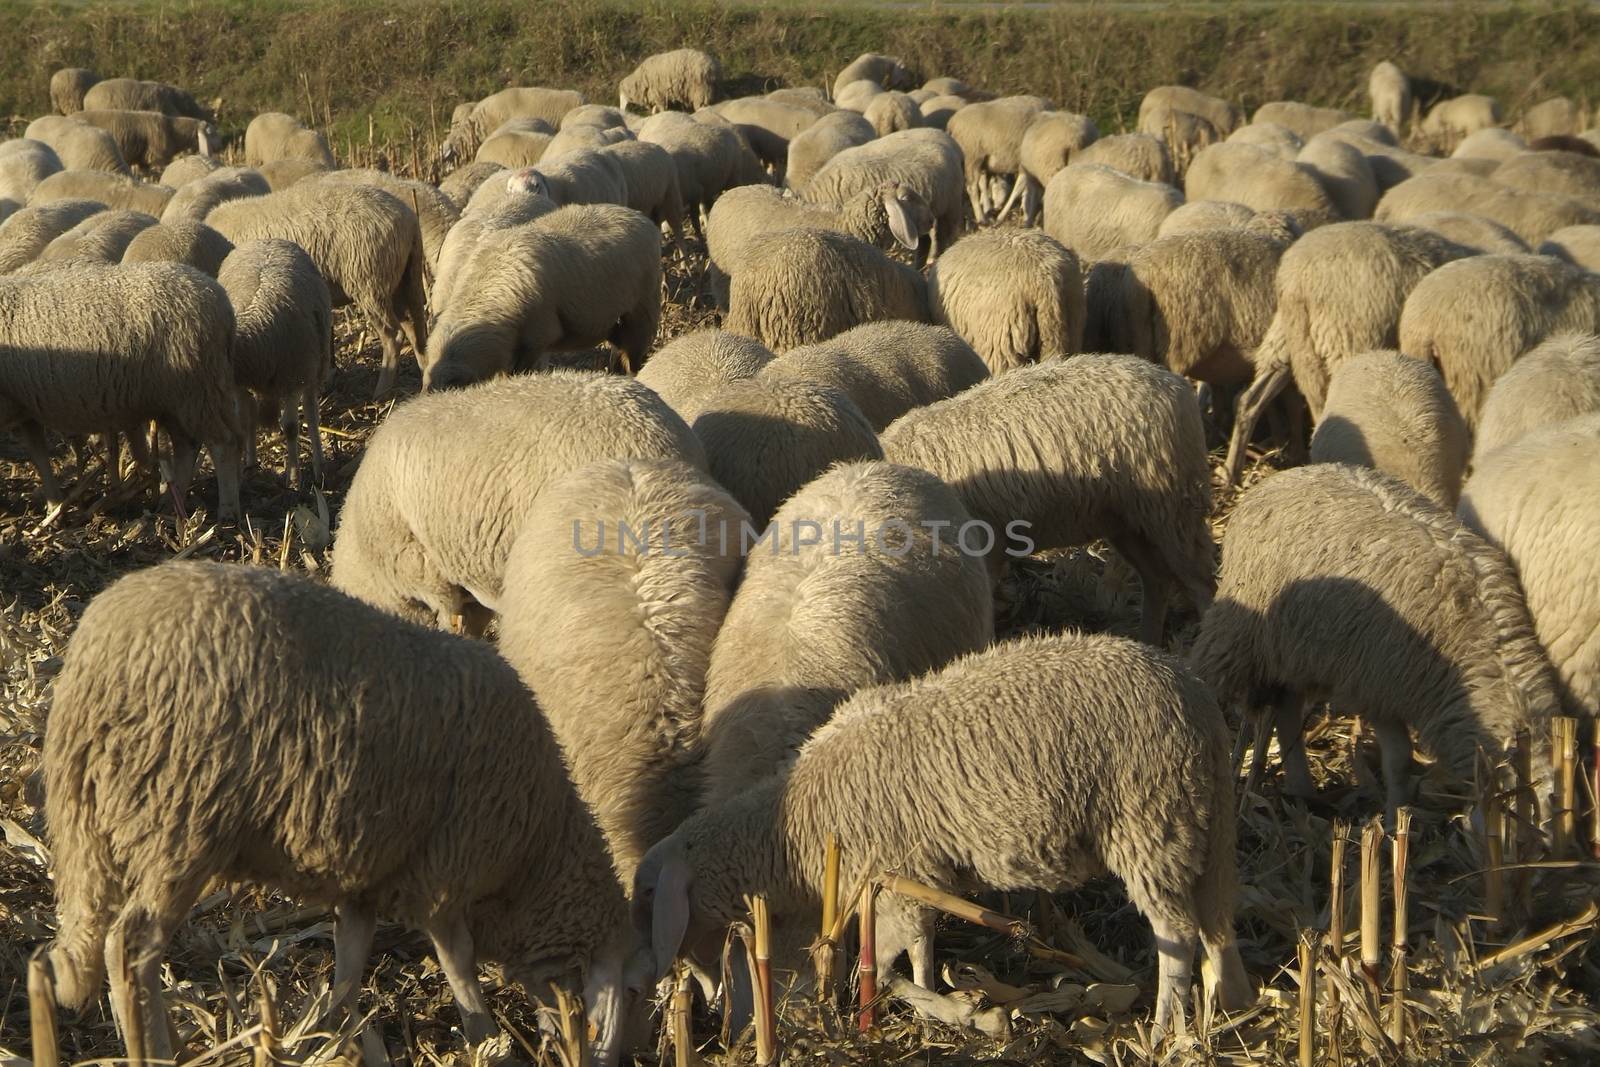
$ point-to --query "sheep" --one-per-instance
(891, 112)
(583, 176)
(1094, 210)
(1184, 133)
(146, 342)
(927, 161)
(947, 87)
(809, 97)
(766, 437)
(1476, 166)
(1578, 245)
(196, 199)
(468, 130)
(687, 372)
(1475, 231)
(1015, 296)
(684, 78)
(191, 243)
(639, 550)
(652, 180)
(1344, 172)
(112, 190)
(1123, 746)
(1260, 181)
(1448, 121)
(936, 111)
(100, 238)
(886, 368)
(1563, 173)
(1565, 143)
(1473, 318)
(1392, 413)
(1223, 116)
(23, 165)
(812, 147)
(1390, 92)
(1366, 129)
(576, 137)
(710, 159)
(858, 95)
(767, 125)
(882, 217)
(1390, 165)
(185, 169)
(1556, 380)
(1269, 137)
(409, 542)
(1306, 121)
(481, 216)
(435, 211)
(1135, 154)
(1052, 140)
(150, 139)
(273, 136)
(598, 116)
(1307, 610)
(461, 183)
(571, 279)
(8, 207)
(1489, 143)
(1340, 291)
(282, 173)
(887, 71)
(315, 788)
(365, 243)
(1534, 500)
(30, 230)
(78, 145)
(518, 143)
(801, 286)
(129, 94)
(1093, 446)
(1555, 117)
(1197, 216)
(989, 135)
(283, 342)
(68, 86)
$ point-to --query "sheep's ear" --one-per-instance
(900, 223)
(203, 143)
(669, 920)
(739, 1007)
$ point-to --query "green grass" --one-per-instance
(398, 68)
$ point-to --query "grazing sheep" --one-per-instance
(689, 371)
(1534, 499)
(1015, 295)
(1052, 140)
(1260, 181)
(435, 211)
(315, 788)
(185, 169)
(809, 97)
(1223, 116)
(1124, 748)
(1476, 166)
(886, 368)
(812, 147)
(365, 243)
(283, 173)
(68, 86)
(518, 143)
(1390, 165)
(1473, 318)
(580, 136)
(100, 238)
(1134, 154)
(195, 200)
(130, 94)
(1197, 216)
(192, 243)
(1094, 210)
(710, 159)
(936, 111)
(927, 161)
(685, 78)
(1565, 143)
(766, 437)
(151, 139)
(1578, 245)
(1451, 120)
(1078, 449)
(652, 180)
(582, 176)
(1280, 141)
(767, 125)
(23, 165)
(1340, 291)
(1555, 117)
(1366, 129)
(283, 343)
(801, 286)
(947, 87)
(1490, 143)
(448, 478)
(1184, 133)
(1475, 231)
(1344, 172)
(1563, 173)
(1390, 92)
(571, 279)
(639, 550)
(78, 145)
(147, 343)
(858, 95)
(483, 214)
(989, 135)
(468, 128)
(1392, 413)
(887, 71)
(461, 183)
(112, 190)
(857, 589)
(1306, 610)
(27, 232)
(891, 112)
(273, 136)
(1556, 381)
(599, 116)
(1306, 121)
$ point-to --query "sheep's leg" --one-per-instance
(904, 927)
(1155, 579)
(1252, 402)
(1018, 189)
(39, 454)
(391, 362)
(312, 404)
(1232, 989)
(1175, 945)
(353, 931)
(1032, 202)
(289, 424)
(1394, 745)
(250, 419)
(225, 458)
(1289, 720)
(453, 944)
(1262, 727)
(134, 949)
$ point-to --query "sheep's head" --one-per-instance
(206, 139)
(527, 180)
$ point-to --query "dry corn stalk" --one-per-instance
(573, 1033)
(739, 934)
(1594, 794)
(867, 970)
(1564, 751)
(1397, 972)
(1371, 902)
(826, 953)
(1308, 996)
(126, 993)
(1016, 929)
(1341, 837)
(1493, 839)
(1527, 820)
(42, 1010)
(1539, 939)
(761, 979)
(267, 1042)
(682, 1005)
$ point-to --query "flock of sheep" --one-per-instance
(696, 677)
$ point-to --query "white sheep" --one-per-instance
(112, 190)
(1491, 143)
(1476, 232)
(710, 159)
(185, 169)
(1556, 381)
(471, 124)
(461, 183)
(1223, 116)
(195, 199)
(936, 111)
(887, 368)
(79, 145)
(1078, 449)
(1305, 120)
(1392, 413)
(68, 86)
(858, 95)
(1197, 216)
(1260, 181)
(517, 143)
(1558, 116)
(448, 478)
(765, 437)
(887, 71)
(100, 238)
(1390, 92)
(150, 139)
(990, 134)
(314, 784)
(1307, 610)
(130, 94)
(273, 136)
(1270, 137)
(890, 113)
(1052, 140)
(767, 125)
(1578, 245)
(652, 179)
(1450, 120)
(683, 78)
(1534, 499)
(689, 371)
(1016, 296)
(1345, 172)
(926, 161)
(812, 147)
(193, 243)
(1137, 155)
(282, 173)
(23, 165)
(582, 176)
(1563, 173)
(1390, 164)
(1095, 210)
(29, 231)
(436, 213)
(1124, 749)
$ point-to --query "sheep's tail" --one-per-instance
(86, 892)
(414, 297)
(1217, 889)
